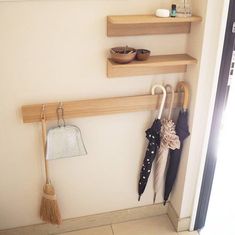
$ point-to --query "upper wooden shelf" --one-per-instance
(130, 25)
(176, 63)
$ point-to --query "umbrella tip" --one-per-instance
(139, 197)
(154, 198)
(164, 203)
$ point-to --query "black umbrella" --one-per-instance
(182, 131)
(153, 135)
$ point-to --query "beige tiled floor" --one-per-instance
(188, 233)
(159, 225)
(104, 230)
(151, 226)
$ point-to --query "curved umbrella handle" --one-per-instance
(172, 99)
(163, 97)
(184, 85)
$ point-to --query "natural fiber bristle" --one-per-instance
(49, 211)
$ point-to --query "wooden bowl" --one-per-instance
(123, 55)
(142, 54)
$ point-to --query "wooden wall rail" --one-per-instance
(94, 107)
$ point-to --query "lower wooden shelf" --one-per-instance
(160, 64)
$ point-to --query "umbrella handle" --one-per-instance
(172, 99)
(185, 87)
(163, 98)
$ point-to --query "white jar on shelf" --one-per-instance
(184, 8)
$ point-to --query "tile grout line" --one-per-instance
(172, 224)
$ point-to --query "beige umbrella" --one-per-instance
(169, 140)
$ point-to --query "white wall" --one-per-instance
(56, 50)
(205, 43)
(53, 51)
(194, 46)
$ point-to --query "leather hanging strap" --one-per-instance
(184, 85)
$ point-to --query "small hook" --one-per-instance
(172, 99)
(60, 116)
(43, 113)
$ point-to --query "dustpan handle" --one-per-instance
(163, 98)
(44, 137)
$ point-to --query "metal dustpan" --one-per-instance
(64, 141)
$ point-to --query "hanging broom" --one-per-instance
(49, 211)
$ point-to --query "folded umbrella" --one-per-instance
(153, 135)
(169, 140)
(182, 131)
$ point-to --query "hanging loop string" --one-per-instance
(60, 115)
(172, 99)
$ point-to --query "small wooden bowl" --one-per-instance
(123, 55)
(142, 54)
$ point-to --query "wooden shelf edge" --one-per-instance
(161, 64)
(160, 60)
(134, 25)
(148, 19)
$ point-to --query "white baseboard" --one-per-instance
(90, 221)
(180, 224)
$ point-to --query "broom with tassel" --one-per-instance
(49, 211)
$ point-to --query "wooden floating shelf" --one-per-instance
(94, 107)
(160, 64)
(130, 25)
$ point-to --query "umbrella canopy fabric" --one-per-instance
(153, 135)
(169, 140)
(182, 131)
